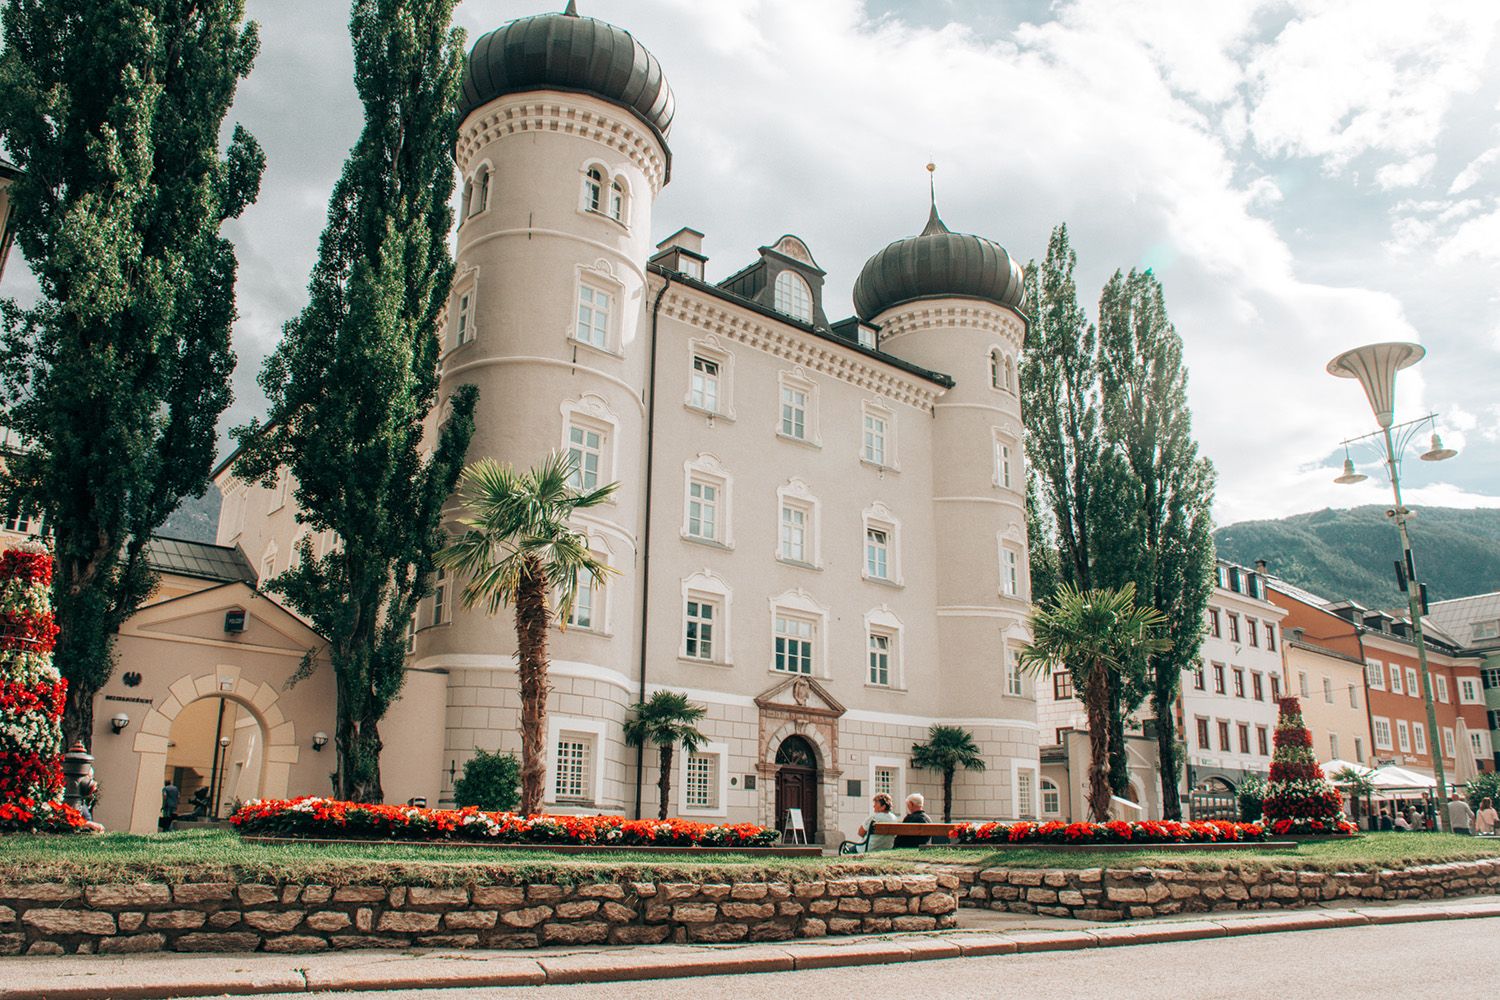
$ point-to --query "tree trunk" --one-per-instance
(947, 795)
(531, 648)
(1119, 764)
(78, 716)
(664, 780)
(1097, 704)
(359, 760)
(1164, 697)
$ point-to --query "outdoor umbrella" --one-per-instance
(1399, 779)
(1467, 768)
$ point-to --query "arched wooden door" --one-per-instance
(797, 783)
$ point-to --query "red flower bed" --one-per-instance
(1113, 832)
(311, 816)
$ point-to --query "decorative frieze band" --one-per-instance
(920, 316)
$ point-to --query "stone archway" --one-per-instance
(260, 700)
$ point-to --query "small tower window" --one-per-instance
(793, 297)
(480, 199)
(593, 189)
(617, 201)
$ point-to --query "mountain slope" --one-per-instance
(1350, 554)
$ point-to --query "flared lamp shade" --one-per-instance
(1437, 453)
(1376, 365)
(1350, 476)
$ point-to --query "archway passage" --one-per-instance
(214, 755)
(797, 783)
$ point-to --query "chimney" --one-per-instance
(1260, 566)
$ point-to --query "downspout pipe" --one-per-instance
(640, 751)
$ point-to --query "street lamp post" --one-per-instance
(1375, 366)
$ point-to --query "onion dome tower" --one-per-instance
(563, 148)
(950, 302)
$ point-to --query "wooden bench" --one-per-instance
(939, 830)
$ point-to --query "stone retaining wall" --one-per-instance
(1121, 893)
(54, 919)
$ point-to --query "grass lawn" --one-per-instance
(220, 855)
(1370, 852)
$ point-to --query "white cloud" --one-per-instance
(1406, 173)
(1474, 172)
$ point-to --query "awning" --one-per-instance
(1399, 779)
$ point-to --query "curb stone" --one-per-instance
(136, 980)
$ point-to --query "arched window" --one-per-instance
(617, 201)
(997, 369)
(1010, 375)
(468, 199)
(1051, 798)
(481, 198)
(593, 189)
(793, 297)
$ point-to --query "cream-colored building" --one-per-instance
(1331, 687)
(819, 532)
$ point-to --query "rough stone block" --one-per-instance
(273, 921)
(132, 895)
(296, 943)
(421, 895)
(617, 913)
(41, 892)
(317, 895)
(747, 911)
(448, 940)
(750, 891)
(528, 916)
(70, 921)
(259, 895)
(714, 891)
(809, 890)
(328, 921)
(601, 890)
(132, 944)
(718, 932)
(174, 920)
(10, 944)
(130, 921)
(913, 923)
(843, 925)
(222, 919)
(574, 909)
(812, 928)
(583, 932)
(639, 935)
(202, 892)
(543, 893)
(499, 895)
(688, 913)
(939, 902)
(359, 894)
(403, 922)
(231, 941)
(889, 904)
(822, 906)
(853, 904)
(469, 920)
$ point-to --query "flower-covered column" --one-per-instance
(1300, 799)
(31, 699)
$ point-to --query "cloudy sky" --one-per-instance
(1303, 177)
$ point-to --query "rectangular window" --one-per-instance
(1198, 681)
(1023, 793)
(593, 316)
(1244, 728)
(1010, 572)
(440, 597)
(866, 337)
(874, 439)
(1441, 683)
(1203, 735)
(705, 384)
(1271, 637)
(1419, 737)
(699, 626)
(794, 645)
(1375, 674)
(1382, 733)
(1234, 628)
(1239, 682)
(1359, 750)
(1478, 739)
(1213, 622)
(1403, 736)
(586, 448)
(1353, 696)
(703, 510)
(1412, 687)
(1333, 746)
(1252, 631)
(1302, 683)
(572, 767)
(1002, 464)
(1491, 677)
(1328, 693)
(880, 659)
(877, 554)
(1262, 741)
(1275, 687)
(1062, 684)
(885, 781)
(1013, 683)
(20, 524)
(1396, 679)
(701, 781)
(1051, 799)
(465, 327)
(1468, 691)
(1257, 687)
(1218, 678)
(583, 612)
(411, 635)
(1448, 744)
(794, 413)
(1224, 736)
(793, 533)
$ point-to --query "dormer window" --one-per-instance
(593, 189)
(793, 297)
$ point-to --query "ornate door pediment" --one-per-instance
(801, 697)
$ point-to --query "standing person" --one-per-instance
(1486, 819)
(914, 814)
(1460, 816)
(170, 795)
(883, 814)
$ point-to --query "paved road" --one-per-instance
(1446, 959)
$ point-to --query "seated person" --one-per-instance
(1401, 823)
(914, 814)
(879, 841)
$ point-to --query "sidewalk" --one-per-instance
(75, 977)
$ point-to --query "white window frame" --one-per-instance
(1413, 683)
(897, 767)
(1449, 746)
(1396, 685)
(590, 282)
(705, 587)
(1015, 680)
(704, 376)
(710, 349)
(1419, 738)
(707, 470)
(1381, 729)
(788, 291)
(1012, 570)
(442, 598)
(884, 418)
(1050, 788)
(882, 621)
(879, 646)
(1333, 746)
(1440, 685)
(481, 183)
(1469, 691)
(465, 299)
(1032, 772)
(719, 754)
(798, 606)
(1479, 739)
(879, 518)
(1403, 736)
(594, 732)
(1328, 692)
(1005, 474)
(795, 495)
(1375, 674)
(294, 557)
(590, 412)
(593, 190)
(797, 381)
(267, 565)
(619, 200)
(1359, 750)
(597, 595)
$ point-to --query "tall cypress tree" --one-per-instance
(116, 377)
(1146, 420)
(356, 375)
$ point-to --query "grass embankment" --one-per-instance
(220, 855)
(1370, 852)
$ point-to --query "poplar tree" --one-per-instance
(356, 375)
(115, 378)
(1147, 422)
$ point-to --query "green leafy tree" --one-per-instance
(356, 375)
(116, 377)
(489, 782)
(1094, 633)
(1481, 787)
(947, 749)
(1143, 385)
(665, 720)
(518, 549)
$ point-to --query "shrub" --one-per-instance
(1486, 785)
(1252, 797)
(490, 782)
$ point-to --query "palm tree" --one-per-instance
(947, 749)
(666, 720)
(1094, 633)
(1357, 783)
(519, 549)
